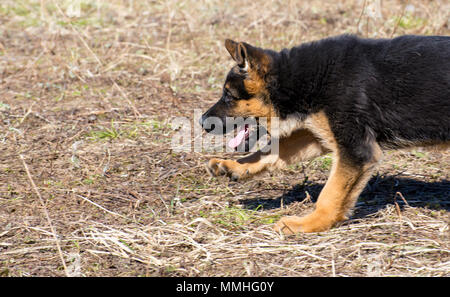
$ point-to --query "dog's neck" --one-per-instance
(296, 79)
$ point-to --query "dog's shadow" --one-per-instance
(380, 191)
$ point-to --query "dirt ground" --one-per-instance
(90, 187)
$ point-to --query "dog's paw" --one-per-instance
(230, 168)
(289, 225)
(311, 223)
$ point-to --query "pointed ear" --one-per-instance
(249, 57)
(235, 52)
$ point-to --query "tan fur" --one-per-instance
(253, 107)
(300, 146)
(319, 126)
(341, 190)
(254, 84)
(337, 197)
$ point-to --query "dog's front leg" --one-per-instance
(241, 168)
(346, 182)
(300, 146)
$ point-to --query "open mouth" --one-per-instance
(242, 135)
(247, 137)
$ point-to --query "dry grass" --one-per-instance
(87, 97)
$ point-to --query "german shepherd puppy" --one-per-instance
(346, 95)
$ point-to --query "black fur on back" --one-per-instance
(394, 91)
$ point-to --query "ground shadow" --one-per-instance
(380, 190)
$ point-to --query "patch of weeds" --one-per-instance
(29, 22)
(4, 272)
(418, 154)
(395, 166)
(104, 134)
(268, 220)
(126, 244)
(157, 126)
(76, 23)
(323, 21)
(324, 162)
(91, 179)
(136, 129)
(295, 167)
(52, 183)
(88, 181)
(76, 93)
(170, 269)
(60, 97)
(76, 244)
(129, 131)
(410, 22)
(4, 106)
(25, 13)
(20, 10)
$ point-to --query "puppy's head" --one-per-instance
(245, 94)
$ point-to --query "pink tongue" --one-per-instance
(233, 143)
